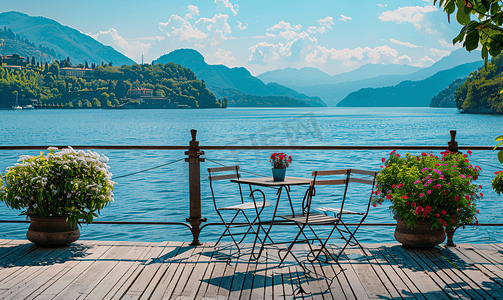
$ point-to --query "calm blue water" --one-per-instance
(162, 194)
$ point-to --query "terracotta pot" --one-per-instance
(278, 174)
(51, 231)
(420, 237)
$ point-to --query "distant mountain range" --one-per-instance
(225, 81)
(66, 41)
(409, 93)
(309, 76)
(333, 93)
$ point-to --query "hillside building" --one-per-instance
(14, 60)
(77, 72)
(140, 93)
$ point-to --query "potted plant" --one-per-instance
(57, 190)
(497, 182)
(428, 193)
(280, 161)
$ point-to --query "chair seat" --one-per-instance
(246, 205)
(314, 219)
(337, 210)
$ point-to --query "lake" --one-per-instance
(162, 194)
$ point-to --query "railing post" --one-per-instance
(195, 187)
(453, 145)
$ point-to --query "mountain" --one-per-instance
(408, 93)
(333, 93)
(225, 81)
(447, 97)
(311, 76)
(66, 41)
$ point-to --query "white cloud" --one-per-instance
(345, 19)
(271, 35)
(410, 14)
(223, 4)
(282, 25)
(327, 22)
(193, 12)
(152, 38)
(263, 52)
(382, 5)
(289, 34)
(404, 59)
(439, 53)
(424, 62)
(132, 49)
(178, 27)
(240, 26)
(407, 44)
(221, 56)
(350, 57)
(217, 25)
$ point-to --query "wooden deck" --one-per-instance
(174, 270)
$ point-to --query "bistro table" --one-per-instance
(280, 185)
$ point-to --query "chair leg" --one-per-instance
(227, 229)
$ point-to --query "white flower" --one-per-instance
(35, 205)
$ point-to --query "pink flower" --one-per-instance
(374, 205)
(383, 159)
(437, 186)
(403, 197)
(469, 152)
(444, 223)
(456, 198)
(389, 197)
(444, 212)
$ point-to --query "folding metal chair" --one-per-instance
(309, 219)
(239, 208)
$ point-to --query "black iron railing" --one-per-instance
(195, 152)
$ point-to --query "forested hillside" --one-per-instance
(446, 98)
(482, 91)
(106, 88)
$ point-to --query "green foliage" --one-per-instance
(484, 30)
(65, 183)
(480, 93)
(430, 188)
(497, 182)
(175, 83)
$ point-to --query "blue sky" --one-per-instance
(334, 36)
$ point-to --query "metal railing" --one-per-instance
(194, 153)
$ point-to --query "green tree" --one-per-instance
(486, 29)
(54, 68)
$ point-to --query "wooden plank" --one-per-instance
(258, 287)
(32, 277)
(220, 260)
(382, 275)
(436, 274)
(73, 273)
(422, 280)
(221, 169)
(432, 257)
(401, 273)
(224, 289)
(187, 273)
(369, 279)
(19, 263)
(202, 266)
(115, 279)
(391, 280)
(458, 267)
(476, 273)
(348, 271)
(206, 277)
(56, 269)
(169, 279)
(340, 281)
(149, 270)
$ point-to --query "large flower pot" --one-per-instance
(51, 231)
(420, 237)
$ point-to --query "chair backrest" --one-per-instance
(342, 177)
(223, 173)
